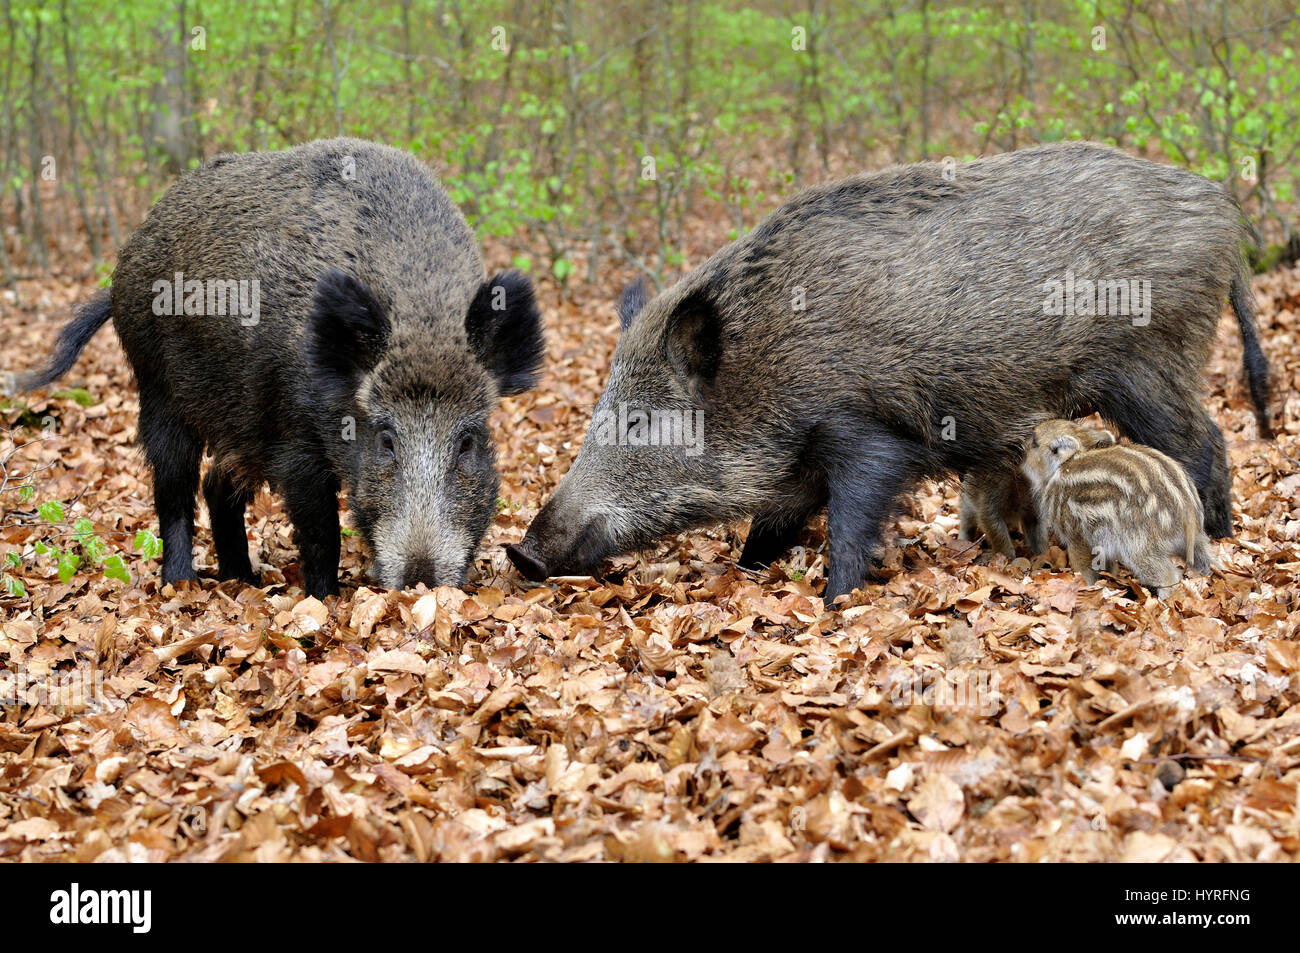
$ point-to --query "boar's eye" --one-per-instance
(385, 442)
(466, 449)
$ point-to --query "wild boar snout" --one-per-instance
(422, 569)
(561, 543)
(527, 560)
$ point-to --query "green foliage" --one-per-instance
(79, 394)
(88, 548)
(539, 115)
(25, 417)
(147, 544)
(115, 568)
(13, 586)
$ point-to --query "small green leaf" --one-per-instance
(51, 511)
(13, 560)
(147, 544)
(25, 493)
(82, 396)
(95, 548)
(14, 587)
(68, 564)
(115, 568)
(562, 269)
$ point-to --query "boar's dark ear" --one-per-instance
(631, 301)
(504, 329)
(693, 338)
(349, 329)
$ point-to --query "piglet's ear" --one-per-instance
(504, 329)
(631, 301)
(693, 340)
(1064, 446)
(348, 329)
(1100, 438)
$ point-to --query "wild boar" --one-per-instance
(317, 318)
(909, 323)
(1112, 503)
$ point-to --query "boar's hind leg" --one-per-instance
(1208, 468)
(865, 475)
(314, 509)
(173, 451)
(1177, 425)
(226, 505)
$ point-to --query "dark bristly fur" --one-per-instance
(925, 348)
(515, 368)
(631, 301)
(379, 353)
(72, 340)
(1243, 306)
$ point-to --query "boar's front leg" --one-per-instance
(314, 509)
(173, 451)
(226, 505)
(867, 470)
(773, 532)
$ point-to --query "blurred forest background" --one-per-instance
(580, 133)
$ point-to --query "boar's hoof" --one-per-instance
(532, 568)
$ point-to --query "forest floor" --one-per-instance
(677, 709)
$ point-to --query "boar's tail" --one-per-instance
(72, 340)
(1243, 304)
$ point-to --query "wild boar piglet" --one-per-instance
(994, 504)
(1112, 503)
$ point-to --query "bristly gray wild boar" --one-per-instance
(1112, 503)
(318, 318)
(897, 325)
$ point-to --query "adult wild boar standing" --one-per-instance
(317, 318)
(904, 324)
